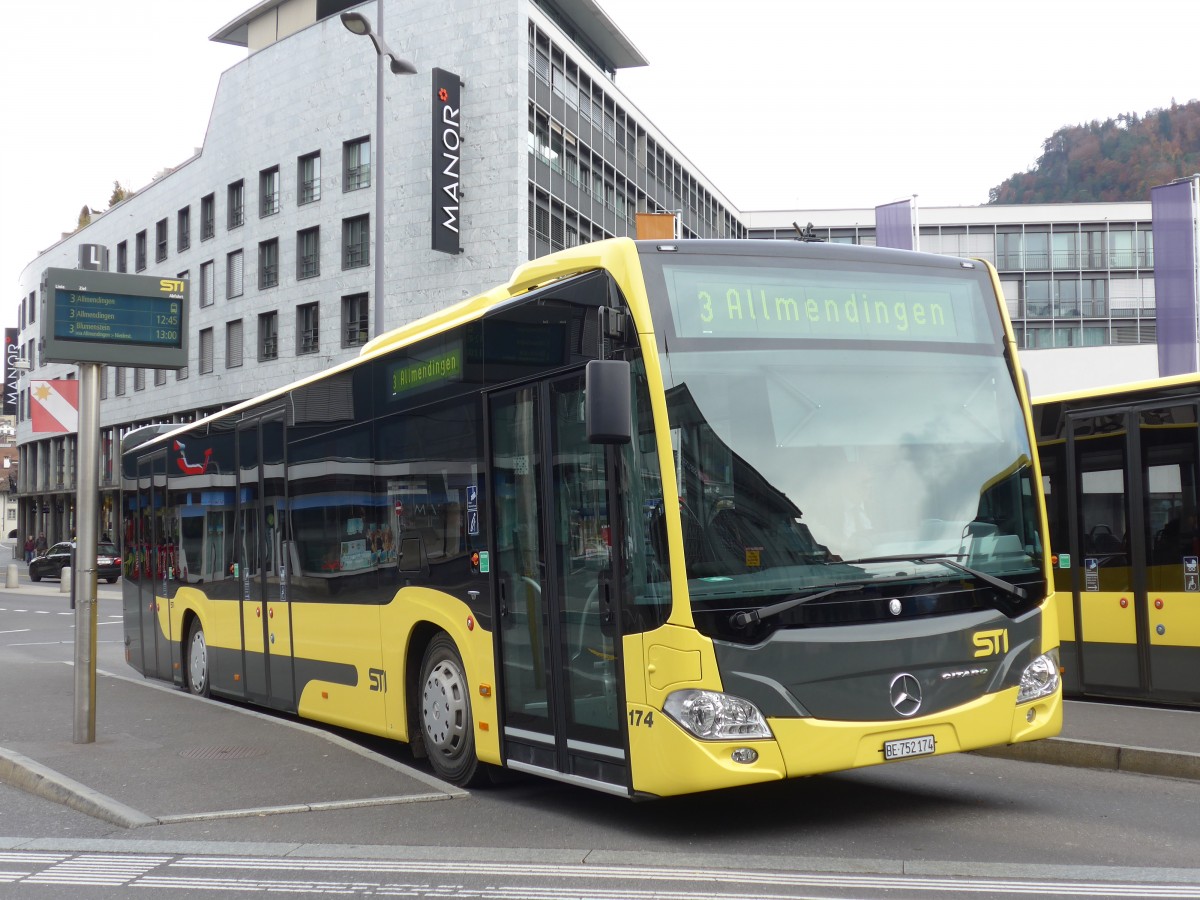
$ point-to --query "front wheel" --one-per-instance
(33, 577)
(197, 660)
(445, 704)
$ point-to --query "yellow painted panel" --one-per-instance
(279, 628)
(1179, 618)
(812, 746)
(1104, 620)
(666, 666)
(666, 760)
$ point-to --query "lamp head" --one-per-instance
(402, 66)
(356, 23)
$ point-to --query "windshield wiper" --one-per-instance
(949, 562)
(753, 616)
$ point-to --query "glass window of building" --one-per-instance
(183, 229)
(123, 256)
(356, 242)
(208, 216)
(237, 200)
(308, 171)
(355, 318)
(308, 253)
(268, 336)
(140, 250)
(268, 264)
(160, 240)
(356, 164)
(308, 328)
(268, 191)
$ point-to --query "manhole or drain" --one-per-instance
(222, 752)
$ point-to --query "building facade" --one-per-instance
(271, 222)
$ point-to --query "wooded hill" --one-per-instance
(1118, 159)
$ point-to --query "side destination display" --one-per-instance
(102, 317)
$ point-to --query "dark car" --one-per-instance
(52, 562)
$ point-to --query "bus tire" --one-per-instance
(447, 728)
(196, 668)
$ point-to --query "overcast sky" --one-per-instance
(782, 104)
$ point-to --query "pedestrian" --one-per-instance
(41, 545)
(29, 545)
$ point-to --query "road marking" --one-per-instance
(15, 631)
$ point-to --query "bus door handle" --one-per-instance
(503, 589)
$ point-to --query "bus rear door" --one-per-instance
(262, 568)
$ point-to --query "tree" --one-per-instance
(119, 193)
(85, 216)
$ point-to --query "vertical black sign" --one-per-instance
(447, 155)
(12, 352)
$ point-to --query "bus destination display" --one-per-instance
(114, 318)
(117, 318)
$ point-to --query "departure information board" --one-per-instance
(117, 319)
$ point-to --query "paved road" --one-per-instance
(266, 803)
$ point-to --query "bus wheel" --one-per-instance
(197, 660)
(445, 704)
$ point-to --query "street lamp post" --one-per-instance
(359, 24)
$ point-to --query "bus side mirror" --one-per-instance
(607, 409)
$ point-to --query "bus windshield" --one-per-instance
(802, 460)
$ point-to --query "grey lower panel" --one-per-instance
(850, 672)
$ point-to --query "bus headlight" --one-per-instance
(1040, 678)
(716, 717)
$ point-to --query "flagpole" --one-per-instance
(83, 583)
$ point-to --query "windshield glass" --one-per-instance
(799, 460)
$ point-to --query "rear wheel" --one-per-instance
(445, 704)
(112, 580)
(197, 660)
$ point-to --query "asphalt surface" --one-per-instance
(161, 756)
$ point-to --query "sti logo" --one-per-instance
(170, 286)
(990, 643)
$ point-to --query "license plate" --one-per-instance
(918, 746)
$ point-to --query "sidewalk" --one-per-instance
(162, 756)
(1145, 740)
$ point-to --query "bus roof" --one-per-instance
(1173, 384)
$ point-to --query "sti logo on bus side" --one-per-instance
(990, 643)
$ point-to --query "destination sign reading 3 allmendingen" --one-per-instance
(773, 303)
(114, 318)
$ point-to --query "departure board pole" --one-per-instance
(83, 583)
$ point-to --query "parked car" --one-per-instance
(52, 562)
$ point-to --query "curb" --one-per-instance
(1111, 757)
(22, 772)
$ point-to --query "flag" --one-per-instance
(54, 406)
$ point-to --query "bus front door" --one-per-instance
(554, 571)
(1136, 551)
(262, 571)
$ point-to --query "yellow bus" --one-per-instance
(1120, 470)
(651, 518)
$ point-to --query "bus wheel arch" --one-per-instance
(442, 718)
